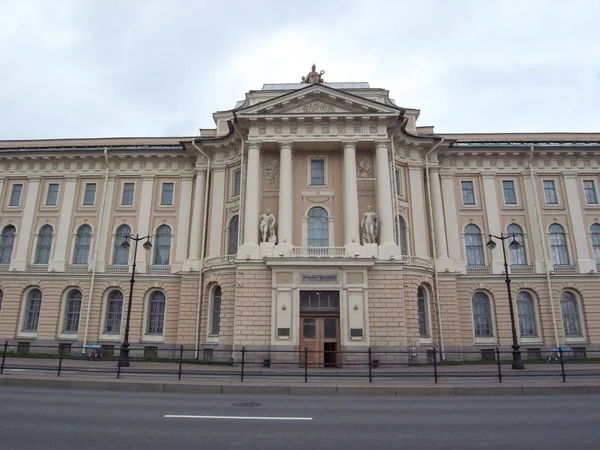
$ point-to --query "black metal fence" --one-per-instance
(416, 365)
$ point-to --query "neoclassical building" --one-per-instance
(314, 215)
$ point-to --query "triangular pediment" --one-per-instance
(318, 100)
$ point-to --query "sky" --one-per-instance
(86, 68)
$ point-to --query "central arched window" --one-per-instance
(402, 236)
(156, 312)
(82, 244)
(232, 244)
(482, 315)
(114, 311)
(32, 310)
(318, 228)
(72, 312)
(518, 257)
(474, 246)
(120, 254)
(215, 320)
(570, 314)
(44, 245)
(422, 312)
(162, 251)
(595, 234)
(558, 245)
(526, 312)
(7, 242)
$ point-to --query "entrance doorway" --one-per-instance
(320, 327)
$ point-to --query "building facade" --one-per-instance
(315, 215)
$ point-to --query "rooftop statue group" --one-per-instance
(369, 227)
(314, 76)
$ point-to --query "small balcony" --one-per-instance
(564, 270)
(318, 252)
(223, 260)
(521, 270)
(479, 270)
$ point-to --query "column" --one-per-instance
(351, 215)
(452, 232)
(419, 216)
(215, 218)
(250, 249)
(439, 227)
(537, 239)
(577, 225)
(24, 233)
(103, 235)
(387, 244)
(183, 221)
(492, 211)
(63, 231)
(143, 225)
(285, 219)
(196, 231)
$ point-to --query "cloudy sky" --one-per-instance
(84, 68)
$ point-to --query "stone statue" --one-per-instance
(267, 227)
(369, 227)
(313, 76)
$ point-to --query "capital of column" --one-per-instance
(569, 175)
(283, 145)
(488, 175)
(381, 144)
(349, 144)
(254, 146)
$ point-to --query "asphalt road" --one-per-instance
(66, 419)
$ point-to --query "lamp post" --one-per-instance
(517, 363)
(124, 351)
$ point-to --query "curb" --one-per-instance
(298, 389)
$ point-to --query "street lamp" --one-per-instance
(124, 351)
(517, 363)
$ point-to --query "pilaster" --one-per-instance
(582, 250)
(285, 219)
(183, 221)
(197, 222)
(250, 248)
(20, 261)
(387, 244)
(492, 212)
(351, 214)
(143, 225)
(417, 205)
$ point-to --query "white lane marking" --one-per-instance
(187, 416)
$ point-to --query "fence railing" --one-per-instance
(304, 364)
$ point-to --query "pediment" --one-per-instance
(318, 100)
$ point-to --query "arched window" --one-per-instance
(558, 245)
(402, 236)
(72, 312)
(232, 245)
(518, 256)
(318, 228)
(82, 244)
(422, 312)
(526, 312)
(482, 315)
(474, 246)
(44, 245)
(120, 254)
(7, 242)
(156, 312)
(1, 298)
(570, 314)
(32, 310)
(595, 231)
(215, 320)
(114, 311)
(162, 250)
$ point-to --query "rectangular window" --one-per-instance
(89, 196)
(398, 181)
(15, 195)
(468, 193)
(128, 190)
(589, 188)
(317, 172)
(166, 195)
(550, 192)
(52, 194)
(237, 182)
(510, 195)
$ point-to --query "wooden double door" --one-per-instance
(320, 336)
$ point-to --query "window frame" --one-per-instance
(553, 190)
(310, 171)
(233, 235)
(403, 236)
(490, 318)
(463, 184)
(558, 246)
(117, 249)
(47, 204)
(398, 181)
(593, 190)
(71, 317)
(576, 314)
(5, 255)
(160, 245)
(35, 313)
(162, 193)
(529, 316)
(515, 201)
(11, 198)
(215, 311)
(423, 313)
(160, 320)
(326, 228)
(84, 201)
(520, 238)
(595, 236)
(113, 317)
(469, 245)
(128, 187)
(39, 244)
(236, 187)
(81, 246)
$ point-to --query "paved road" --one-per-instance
(60, 419)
